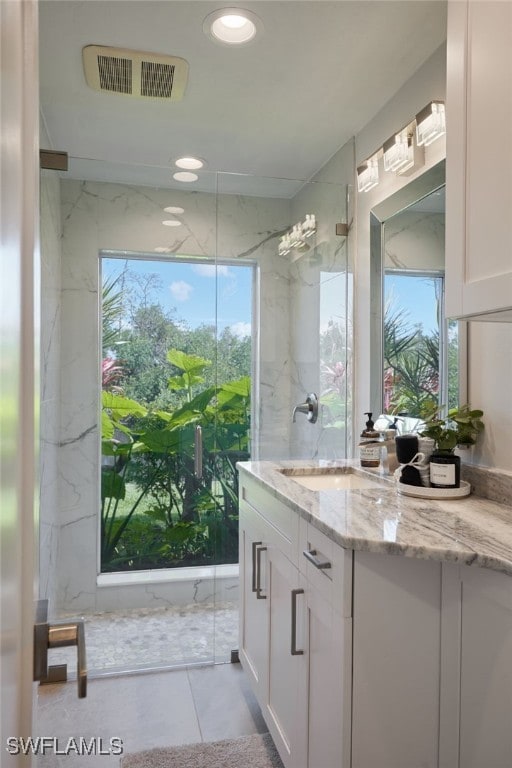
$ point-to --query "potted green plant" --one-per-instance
(459, 429)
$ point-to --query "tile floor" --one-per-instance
(147, 710)
(154, 637)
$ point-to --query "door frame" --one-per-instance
(19, 216)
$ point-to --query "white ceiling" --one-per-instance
(279, 107)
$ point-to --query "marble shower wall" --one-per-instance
(100, 216)
(415, 240)
(50, 231)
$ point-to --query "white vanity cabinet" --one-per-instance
(367, 659)
(479, 159)
(295, 642)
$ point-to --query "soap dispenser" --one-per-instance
(370, 445)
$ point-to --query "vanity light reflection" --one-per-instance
(297, 236)
(390, 529)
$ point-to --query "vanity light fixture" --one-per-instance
(399, 152)
(232, 26)
(189, 163)
(186, 176)
(430, 123)
(368, 174)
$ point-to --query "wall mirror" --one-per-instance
(416, 353)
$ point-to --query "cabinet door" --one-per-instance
(329, 645)
(489, 157)
(486, 670)
(286, 703)
(396, 662)
(253, 626)
(479, 158)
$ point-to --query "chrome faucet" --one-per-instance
(309, 407)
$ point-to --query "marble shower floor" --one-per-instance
(154, 637)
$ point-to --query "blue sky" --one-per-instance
(416, 296)
(191, 290)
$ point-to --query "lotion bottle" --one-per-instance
(370, 445)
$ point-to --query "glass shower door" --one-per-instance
(122, 555)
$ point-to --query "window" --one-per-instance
(177, 355)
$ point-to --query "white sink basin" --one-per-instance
(326, 481)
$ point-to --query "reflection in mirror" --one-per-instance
(415, 350)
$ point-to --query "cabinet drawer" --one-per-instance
(283, 531)
(327, 567)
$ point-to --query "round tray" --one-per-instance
(421, 492)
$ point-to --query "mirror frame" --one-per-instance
(399, 201)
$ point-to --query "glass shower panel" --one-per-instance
(139, 617)
(300, 327)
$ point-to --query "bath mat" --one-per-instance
(256, 751)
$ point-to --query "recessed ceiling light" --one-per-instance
(187, 176)
(174, 209)
(171, 223)
(232, 26)
(190, 163)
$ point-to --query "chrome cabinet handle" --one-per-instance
(294, 650)
(259, 594)
(311, 555)
(198, 452)
(58, 636)
(254, 545)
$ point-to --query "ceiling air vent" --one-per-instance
(134, 73)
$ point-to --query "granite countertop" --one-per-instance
(469, 531)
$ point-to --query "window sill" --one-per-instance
(165, 575)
